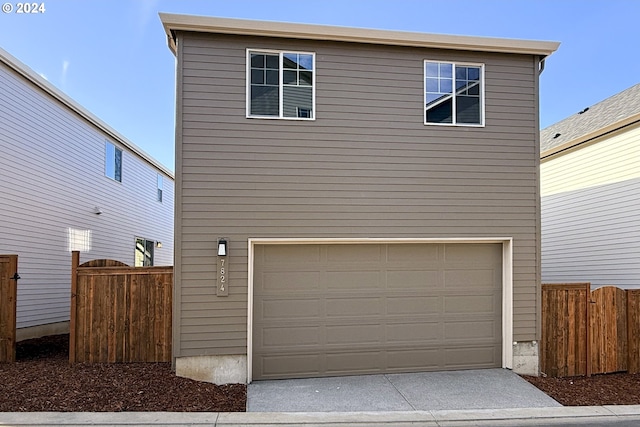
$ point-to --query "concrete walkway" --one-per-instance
(451, 390)
(593, 415)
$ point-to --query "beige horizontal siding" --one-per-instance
(590, 216)
(366, 167)
(613, 159)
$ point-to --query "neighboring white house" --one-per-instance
(590, 188)
(70, 182)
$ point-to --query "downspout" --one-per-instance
(538, 309)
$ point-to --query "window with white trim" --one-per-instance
(454, 93)
(280, 84)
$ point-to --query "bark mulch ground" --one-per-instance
(42, 380)
(606, 389)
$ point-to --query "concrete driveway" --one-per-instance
(452, 390)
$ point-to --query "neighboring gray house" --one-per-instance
(590, 187)
(377, 193)
(70, 182)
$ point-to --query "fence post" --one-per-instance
(588, 327)
(8, 292)
(75, 262)
(633, 331)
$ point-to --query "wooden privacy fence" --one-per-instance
(8, 290)
(585, 332)
(120, 313)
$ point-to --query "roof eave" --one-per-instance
(47, 87)
(205, 24)
(590, 136)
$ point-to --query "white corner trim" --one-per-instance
(507, 304)
(507, 279)
(250, 312)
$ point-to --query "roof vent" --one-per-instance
(584, 111)
(556, 135)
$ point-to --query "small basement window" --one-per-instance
(454, 94)
(280, 84)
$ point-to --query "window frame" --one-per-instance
(453, 118)
(159, 187)
(112, 159)
(281, 86)
(144, 255)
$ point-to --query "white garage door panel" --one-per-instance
(323, 310)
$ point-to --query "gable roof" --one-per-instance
(613, 113)
(206, 24)
(44, 85)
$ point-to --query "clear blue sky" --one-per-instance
(111, 55)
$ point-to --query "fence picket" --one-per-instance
(564, 315)
(608, 326)
(121, 313)
(586, 332)
(633, 331)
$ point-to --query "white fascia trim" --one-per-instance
(507, 279)
(209, 24)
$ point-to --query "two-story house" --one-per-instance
(68, 181)
(590, 192)
(353, 201)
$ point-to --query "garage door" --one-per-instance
(344, 309)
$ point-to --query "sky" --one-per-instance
(111, 56)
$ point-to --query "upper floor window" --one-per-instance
(280, 84)
(113, 162)
(454, 93)
(160, 188)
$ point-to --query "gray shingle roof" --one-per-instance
(603, 114)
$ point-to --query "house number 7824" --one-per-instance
(223, 279)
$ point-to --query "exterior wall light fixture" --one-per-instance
(222, 247)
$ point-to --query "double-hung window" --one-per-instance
(454, 93)
(280, 84)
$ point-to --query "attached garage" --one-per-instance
(345, 308)
(359, 236)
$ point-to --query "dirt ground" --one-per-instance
(606, 389)
(42, 380)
